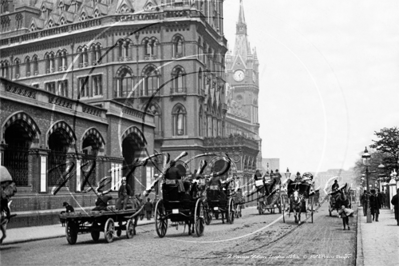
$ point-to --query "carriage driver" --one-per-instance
(335, 186)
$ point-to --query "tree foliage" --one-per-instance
(388, 142)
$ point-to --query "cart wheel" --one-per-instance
(130, 229)
(230, 211)
(207, 213)
(95, 235)
(71, 232)
(199, 218)
(161, 221)
(109, 230)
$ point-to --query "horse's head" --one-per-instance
(296, 195)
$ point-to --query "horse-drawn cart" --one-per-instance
(110, 222)
(338, 198)
(296, 198)
(268, 196)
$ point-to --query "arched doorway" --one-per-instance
(60, 138)
(92, 144)
(19, 132)
(133, 144)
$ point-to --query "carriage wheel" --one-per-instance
(199, 218)
(230, 211)
(161, 222)
(207, 213)
(129, 229)
(71, 232)
(109, 230)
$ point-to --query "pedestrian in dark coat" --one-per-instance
(381, 197)
(123, 195)
(148, 209)
(375, 205)
(395, 203)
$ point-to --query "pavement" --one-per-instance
(377, 242)
(25, 234)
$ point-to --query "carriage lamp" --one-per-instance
(366, 161)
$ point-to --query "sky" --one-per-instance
(329, 76)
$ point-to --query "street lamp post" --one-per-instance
(366, 161)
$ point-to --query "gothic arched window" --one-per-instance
(179, 120)
(17, 64)
(178, 46)
(178, 78)
(124, 82)
(151, 81)
(27, 66)
(35, 65)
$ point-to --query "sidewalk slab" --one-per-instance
(33, 233)
(378, 242)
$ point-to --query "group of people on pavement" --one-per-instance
(377, 200)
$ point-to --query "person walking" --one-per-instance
(123, 195)
(395, 203)
(375, 205)
(148, 209)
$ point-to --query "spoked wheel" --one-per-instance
(71, 232)
(161, 221)
(130, 229)
(109, 230)
(207, 213)
(199, 221)
(230, 211)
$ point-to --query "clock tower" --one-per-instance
(242, 72)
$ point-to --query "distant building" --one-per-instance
(270, 164)
(345, 176)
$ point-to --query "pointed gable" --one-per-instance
(124, 6)
(151, 5)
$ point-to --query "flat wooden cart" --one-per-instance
(111, 222)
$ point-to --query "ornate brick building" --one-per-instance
(112, 80)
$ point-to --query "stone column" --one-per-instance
(2, 148)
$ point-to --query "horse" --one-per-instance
(296, 202)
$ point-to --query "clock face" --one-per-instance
(239, 75)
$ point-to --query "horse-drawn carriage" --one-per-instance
(338, 198)
(177, 205)
(269, 197)
(296, 198)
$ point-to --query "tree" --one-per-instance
(388, 142)
(376, 158)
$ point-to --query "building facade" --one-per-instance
(111, 79)
(242, 72)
